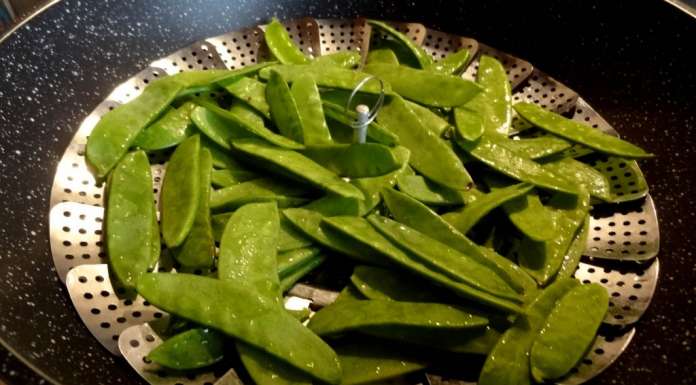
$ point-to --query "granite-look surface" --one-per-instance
(631, 61)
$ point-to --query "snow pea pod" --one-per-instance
(578, 132)
(581, 174)
(281, 45)
(266, 370)
(350, 316)
(425, 87)
(332, 205)
(251, 92)
(428, 119)
(536, 148)
(360, 230)
(494, 104)
(238, 311)
(508, 361)
(247, 115)
(192, 349)
(468, 122)
(574, 253)
(417, 53)
(284, 109)
(428, 192)
(371, 187)
(382, 55)
(199, 247)
(221, 157)
(375, 132)
(531, 217)
(452, 64)
(287, 282)
(257, 190)
(464, 219)
(310, 111)
(491, 151)
(228, 177)
(181, 192)
(358, 160)
(568, 332)
(385, 284)
(325, 76)
(430, 154)
(420, 217)
(289, 261)
(132, 240)
(367, 361)
(449, 261)
(290, 237)
(345, 59)
(169, 130)
(297, 165)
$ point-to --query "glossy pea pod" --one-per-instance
(258, 190)
(325, 76)
(344, 59)
(309, 107)
(251, 92)
(230, 177)
(416, 53)
(428, 192)
(452, 64)
(291, 260)
(281, 45)
(429, 119)
(193, 349)
(367, 360)
(596, 183)
(577, 247)
(169, 130)
(284, 107)
(342, 119)
(359, 160)
(540, 147)
(385, 284)
(494, 104)
(288, 281)
(371, 187)
(469, 123)
(382, 55)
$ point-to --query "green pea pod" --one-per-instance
(169, 130)
(332, 205)
(198, 249)
(449, 261)
(228, 177)
(536, 148)
(118, 129)
(417, 53)
(248, 248)
(314, 128)
(452, 64)
(371, 187)
(350, 316)
(266, 370)
(221, 157)
(464, 219)
(181, 192)
(207, 77)
(491, 151)
(218, 223)
(494, 104)
(568, 332)
(383, 56)
(359, 160)
(341, 119)
(531, 217)
(425, 87)
(542, 260)
(310, 223)
(238, 311)
(130, 234)
(468, 122)
(296, 165)
(581, 174)
(257, 190)
(367, 361)
(508, 361)
(326, 76)
(428, 119)
(578, 132)
(290, 237)
(474, 341)
(345, 59)
(192, 349)
(574, 253)
(284, 108)
(281, 45)
(385, 284)
(430, 154)
(247, 115)
(418, 216)
(428, 192)
(349, 293)
(291, 260)
(252, 92)
(287, 282)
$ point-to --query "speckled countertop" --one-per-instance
(632, 62)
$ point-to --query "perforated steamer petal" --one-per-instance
(623, 241)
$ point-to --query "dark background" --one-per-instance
(631, 60)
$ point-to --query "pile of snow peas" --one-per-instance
(458, 239)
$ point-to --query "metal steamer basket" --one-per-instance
(620, 254)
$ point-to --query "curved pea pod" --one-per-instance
(542, 260)
(268, 370)
(578, 132)
(130, 233)
(229, 177)
(208, 77)
(332, 205)
(238, 311)
(366, 361)
(531, 217)
(425, 87)
(417, 54)
(326, 76)
(491, 151)
(371, 187)
(449, 261)
(508, 361)
(581, 174)
(248, 248)
(192, 349)
(382, 55)
(288, 281)
(360, 230)
(452, 64)
(494, 104)
(281, 45)
(345, 59)
(247, 115)
(468, 122)
(257, 190)
(251, 92)
(429, 119)
(296, 165)
(221, 157)
(291, 260)
(430, 154)
(359, 160)
(577, 247)
(290, 237)
(540, 147)
(350, 315)
(427, 191)
(310, 223)
(385, 284)
(118, 129)
(181, 192)
(199, 247)
(310, 111)
(342, 118)
(568, 332)
(420, 217)
(284, 109)
(169, 130)
(464, 219)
